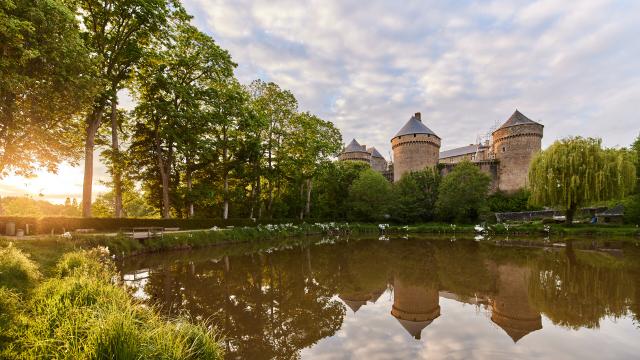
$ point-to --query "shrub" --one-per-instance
(513, 202)
(9, 302)
(17, 271)
(632, 209)
(94, 262)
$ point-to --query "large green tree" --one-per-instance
(311, 143)
(463, 193)
(45, 82)
(186, 104)
(415, 195)
(577, 171)
(369, 197)
(117, 32)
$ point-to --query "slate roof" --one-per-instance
(517, 119)
(374, 152)
(617, 210)
(354, 146)
(414, 126)
(469, 149)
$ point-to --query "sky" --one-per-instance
(465, 65)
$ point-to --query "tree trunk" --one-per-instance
(307, 209)
(225, 206)
(115, 147)
(93, 123)
(189, 180)
(301, 196)
(258, 196)
(571, 211)
(164, 176)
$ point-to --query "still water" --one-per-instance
(404, 298)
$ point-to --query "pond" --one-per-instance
(404, 298)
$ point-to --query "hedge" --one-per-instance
(57, 225)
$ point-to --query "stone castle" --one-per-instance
(505, 157)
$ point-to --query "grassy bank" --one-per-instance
(80, 312)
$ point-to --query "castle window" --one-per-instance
(504, 149)
(414, 135)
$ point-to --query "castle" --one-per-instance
(505, 158)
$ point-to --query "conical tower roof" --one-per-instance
(374, 152)
(414, 327)
(354, 305)
(354, 146)
(415, 126)
(518, 119)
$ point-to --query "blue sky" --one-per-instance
(466, 65)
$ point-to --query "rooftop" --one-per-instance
(415, 126)
(469, 149)
(374, 152)
(518, 119)
(354, 146)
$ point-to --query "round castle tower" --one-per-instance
(355, 152)
(415, 147)
(514, 144)
(414, 306)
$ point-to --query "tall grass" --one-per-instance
(17, 271)
(82, 313)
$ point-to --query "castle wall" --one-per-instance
(514, 147)
(355, 156)
(414, 152)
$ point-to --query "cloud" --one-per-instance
(464, 65)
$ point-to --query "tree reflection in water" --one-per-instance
(271, 302)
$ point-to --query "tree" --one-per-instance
(183, 95)
(415, 195)
(45, 82)
(369, 197)
(575, 172)
(310, 143)
(332, 188)
(117, 33)
(463, 193)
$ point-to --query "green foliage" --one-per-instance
(25, 206)
(134, 205)
(82, 315)
(510, 202)
(414, 196)
(17, 271)
(369, 197)
(45, 83)
(463, 193)
(9, 307)
(331, 197)
(632, 209)
(575, 172)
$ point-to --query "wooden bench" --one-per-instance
(142, 233)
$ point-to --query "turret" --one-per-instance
(355, 152)
(415, 147)
(414, 306)
(514, 145)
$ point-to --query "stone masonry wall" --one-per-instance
(514, 147)
(414, 152)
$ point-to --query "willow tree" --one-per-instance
(575, 172)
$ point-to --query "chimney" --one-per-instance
(418, 116)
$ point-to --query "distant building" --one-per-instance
(505, 157)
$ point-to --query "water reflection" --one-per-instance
(273, 302)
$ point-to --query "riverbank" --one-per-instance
(77, 310)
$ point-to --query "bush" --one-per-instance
(47, 225)
(632, 209)
(17, 271)
(513, 202)
(9, 301)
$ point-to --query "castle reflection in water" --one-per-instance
(272, 302)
